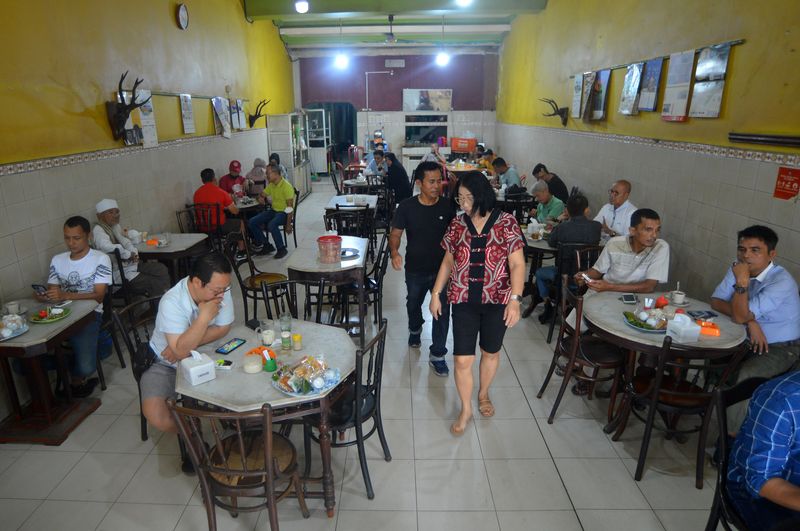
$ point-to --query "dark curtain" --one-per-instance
(342, 118)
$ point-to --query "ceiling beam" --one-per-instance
(278, 8)
(398, 30)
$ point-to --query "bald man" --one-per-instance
(615, 216)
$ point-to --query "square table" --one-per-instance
(342, 203)
(180, 246)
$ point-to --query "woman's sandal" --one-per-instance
(486, 407)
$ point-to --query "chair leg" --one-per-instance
(552, 323)
(115, 341)
(387, 455)
(301, 495)
(142, 419)
(549, 375)
(701, 450)
(613, 399)
(648, 431)
(100, 375)
(362, 458)
(564, 383)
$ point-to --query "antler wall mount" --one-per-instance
(259, 112)
(119, 111)
(562, 112)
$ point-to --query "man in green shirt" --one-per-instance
(550, 207)
(280, 195)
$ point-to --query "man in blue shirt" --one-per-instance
(763, 296)
(377, 166)
(506, 174)
(764, 469)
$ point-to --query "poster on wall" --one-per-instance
(428, 100)
(148, 119)
(187, 114)
(222, 115)
(709, 81)
(629, 99)
(577, 91)
(648, 96)
(787, 185)
(600, 96)
(240, 111)
(588, 95)
(679, 80)
(234, 115)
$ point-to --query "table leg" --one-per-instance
(39, 386)
(530, 285)
(325, 451)
(8, 377)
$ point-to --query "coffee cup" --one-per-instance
(678, 297)
(12, 307)
(266, 333)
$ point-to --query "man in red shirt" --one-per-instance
(210, 193)
(227, 182)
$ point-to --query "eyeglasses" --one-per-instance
(613, 192)
(217, 292)
(464, 198)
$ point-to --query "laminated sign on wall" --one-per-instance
(679, 80)
(709, 81)
(787, 185)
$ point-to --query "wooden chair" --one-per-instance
(294, 224)
(284, 297)
(239, 458)
(202, 217)
(107, 327)
(683, 383)
(337, 177)
(249, 285)
(353, 222)
(360, 402)
(136, 322)
(583, 353)
(373, 284)
(722, 511)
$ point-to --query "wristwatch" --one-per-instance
(740, 289)
(517, 298)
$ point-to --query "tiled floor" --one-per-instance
(511, 472)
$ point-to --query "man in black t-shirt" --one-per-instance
(554, 182)
(425, 218)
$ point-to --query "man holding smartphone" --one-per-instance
(761, 295)
(196, 311)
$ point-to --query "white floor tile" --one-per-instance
(669, 484)
(195, 518)
(160, 480)
(576, 438)
(85, 435)
(528, 349)
(396, 374)
(383, 520)
(433, 440)
(509, 403)
(395, 403)
(511, 439)
(680, 520)
(98, 477)
(526, 484)
(66, 516)
(530, 373)
(538, 521)
(124, 436)
(15, 512)
(291, 519)
(392, 482)
(36, 473)
(118, 398)
(588, 483)
(141, 517)
(614, 520)
(7, 458)
(453, 485)
(399, 436)
(571, 406)
(463, 521)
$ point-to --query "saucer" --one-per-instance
(681, 305)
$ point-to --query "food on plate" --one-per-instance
(654, 321)
(308, 375)
(10, 324)
(661, 302)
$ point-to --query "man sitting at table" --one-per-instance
(150, 278)
(577, 229)
(233, 179)
(635, 263)
(549, 208)
(505, 174)
(196, 311)
(82, 273)
(554, 182)
(377, 166)
(616, 214)
(211, 194)
(761, 295)
(280, 195)
(763, 471)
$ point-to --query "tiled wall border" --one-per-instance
(786, 159)
(79, 158)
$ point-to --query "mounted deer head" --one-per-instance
(260, 107)
(118, 112)
(557, 111)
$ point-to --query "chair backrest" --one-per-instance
(206, 217)
(136, 322)
(123, 287)
(283, 296)
(369, 372)
(349, 222)
(587, 256)
(232, 454)
(230, 246)
(569, 255)
(569, 335)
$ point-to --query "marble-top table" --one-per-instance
(44, 420)
(341, 202)
(239, 391)
(180, 246)
(355, 184)
(307, 260)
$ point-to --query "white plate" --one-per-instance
(314, 393)
(18, 332)
(644, 330)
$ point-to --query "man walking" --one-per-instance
(425, 218)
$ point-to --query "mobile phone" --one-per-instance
(230, 346)
(702, 314)
(586, 277)
(224, 365)
(628, 298)
(39, 288)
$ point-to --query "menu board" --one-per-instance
(709, 84)
(629, 99)
(679, 79)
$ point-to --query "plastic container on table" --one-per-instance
(330, 249)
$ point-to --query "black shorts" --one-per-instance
(471, 319)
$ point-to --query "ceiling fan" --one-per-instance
(390, 38)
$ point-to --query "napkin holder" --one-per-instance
(682, 329)
(198, 369)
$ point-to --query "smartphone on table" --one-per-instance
(628, 298)
(230, 346)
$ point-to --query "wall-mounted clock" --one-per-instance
(182, 16)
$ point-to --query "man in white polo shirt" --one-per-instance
(196, 311)
(616, 214)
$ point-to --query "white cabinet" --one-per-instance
(319, 139)
(288, 137)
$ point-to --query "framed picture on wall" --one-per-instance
(428, 100)
(629, 99)
(651, 77)
(709, 76)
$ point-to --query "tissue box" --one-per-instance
(197, 369)
(682, 329)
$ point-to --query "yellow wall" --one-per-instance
(62, 60)
(762, 92)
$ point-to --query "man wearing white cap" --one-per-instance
(147, 278)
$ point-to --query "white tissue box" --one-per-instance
(198, 368)
(682, 329)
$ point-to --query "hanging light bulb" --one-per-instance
(463, 3)
(301, 6)
(341, 61)
(442, 58)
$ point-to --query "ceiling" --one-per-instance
(419, 26)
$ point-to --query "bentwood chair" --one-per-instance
(202, 217)
(242, 465)
(136, 322)
(284, 297)
(337, 177)
(360, 402)
(373, 283)
(294, 220)
(582, 353)
(722, 511)
(682, 384)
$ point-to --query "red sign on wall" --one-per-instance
(788, 184)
